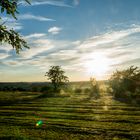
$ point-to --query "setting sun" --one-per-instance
(97, 65)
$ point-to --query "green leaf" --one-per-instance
(10, 36)
(2, 9)
(14, 15)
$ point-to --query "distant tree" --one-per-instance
(127, 80)
(57, 77)
(78, 90)
(10, 36)
(95, 92)
(87, 90)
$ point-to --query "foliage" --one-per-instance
(10, 36)
(94, 88)
(87, 90)
(10, 6)
(78, 90)
(57, 77)
(46, 89)
(125, 83)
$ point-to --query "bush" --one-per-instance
(47, 89)
(126, 83)
(78, 90)
(87, 90)
(95, 91)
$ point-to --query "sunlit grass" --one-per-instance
(67, 118)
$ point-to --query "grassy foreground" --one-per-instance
(67, 118)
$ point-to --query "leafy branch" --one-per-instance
(9, 35)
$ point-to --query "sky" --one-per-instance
(87, 38)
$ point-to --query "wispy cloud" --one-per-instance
(107, 38)
(60, 3)
(134, 61)
(120, 53)
(34, 17)
(35, 35)
(38, 46)
(76, 2)
(65, 56)
(14, 26)
(11, 23)
(54, 30)
(4, 47)
(48, 52)
(4, 55)
(27, 16)
(44, 46)
(12, 63)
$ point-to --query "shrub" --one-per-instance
(78, 90)
(47, 89)
(95, 91)
(126, 83)
(87, 90)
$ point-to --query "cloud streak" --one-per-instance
(76, 2)
(3, 56)
(11, 23)
(107, 38)
(39, 46)
(35, 35)
(54, 30)
(59, 3)
(34, 17)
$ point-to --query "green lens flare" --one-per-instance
(39, 123)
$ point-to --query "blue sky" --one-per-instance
(86, 37)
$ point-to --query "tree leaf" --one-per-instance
(2, 9)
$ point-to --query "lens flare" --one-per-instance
(39, 123)
(41, 120)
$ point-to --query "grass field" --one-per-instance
(76, 117)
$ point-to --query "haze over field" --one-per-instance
(86, 37)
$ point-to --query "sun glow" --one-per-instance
(97, 65)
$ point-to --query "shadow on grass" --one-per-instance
(19, 100)
(128, 101)
(59, 128)
(12, 138)
(13, 102)
(50, 95)
(92, 131)
(45, 95)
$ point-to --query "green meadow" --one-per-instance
(74, 116)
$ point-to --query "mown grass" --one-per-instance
(76, 117)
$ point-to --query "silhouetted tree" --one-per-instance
(127, 80)
(10, 36)
(57, 77)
